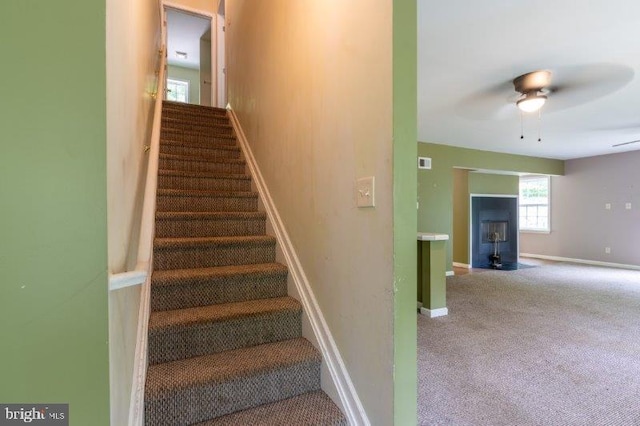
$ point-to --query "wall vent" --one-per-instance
(424, 163)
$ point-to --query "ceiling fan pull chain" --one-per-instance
(539, 125)
(521, 127)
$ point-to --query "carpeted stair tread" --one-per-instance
(183, 288)
(227, 366)
(209, 224)
(187, 333)
(208, 143)
(175, 276)
(206, 150)
(179, 138)
(166, 320)
(190, 252)
(191, 107)
(202, 165)
(194, 200)
(162, 243)
(214, 181)
(214, 123)
(309, 409)
(204, 175)
(221, 130)
(202, 388)
(202, 159)
(202, 193)
(193, 115)
(209, 215)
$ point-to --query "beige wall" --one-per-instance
(311, 83)
(133, 40)
(581, 226)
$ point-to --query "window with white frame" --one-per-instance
(534, 203)
(177, 90)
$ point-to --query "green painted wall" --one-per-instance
(404, 212)
(53, 255)
(189, 74)
(486, 183)
(436, 186)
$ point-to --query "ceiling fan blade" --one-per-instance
(490, 103)
(578, 85)
(624, 143)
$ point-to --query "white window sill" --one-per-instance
(535, 231)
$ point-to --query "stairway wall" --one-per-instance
(315, 100)
(133, 40)
(53, 224)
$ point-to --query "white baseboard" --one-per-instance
(349, 400)
(462, 265)
(433, 313)
(583, 261)
(449, 273)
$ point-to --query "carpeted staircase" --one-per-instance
(225, 343)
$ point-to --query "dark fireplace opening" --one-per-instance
(494, 231)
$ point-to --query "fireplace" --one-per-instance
(494, 231)
(494, 236)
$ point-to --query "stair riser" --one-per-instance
(209, 227)
(193, 115)
(205, 339)
(193, 109)
(198, 138)
(201, 166)
(213, 255)
(203, 184)
(192, 292)
(195, 127)
(170, 203)
(207, 401)
(197, 151)
(171, 118)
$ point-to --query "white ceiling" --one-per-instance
(183, 35)
(467, 48)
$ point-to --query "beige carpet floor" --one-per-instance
(552, 345)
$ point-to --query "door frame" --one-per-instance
(214, 39)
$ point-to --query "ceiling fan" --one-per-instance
(533, 87)
(558, 89)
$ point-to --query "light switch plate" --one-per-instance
(365, 192)
(607, 206)
(627, 206)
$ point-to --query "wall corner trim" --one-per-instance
(354, 409)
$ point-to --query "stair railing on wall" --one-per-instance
(141, 274)
(145, 250)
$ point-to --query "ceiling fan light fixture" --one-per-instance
(531, 102)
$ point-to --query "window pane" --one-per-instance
(534, 203)
(177, 90)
